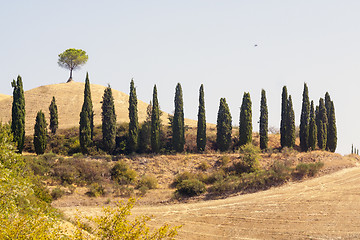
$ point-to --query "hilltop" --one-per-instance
(69, 99)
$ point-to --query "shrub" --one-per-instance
(307, 169)
(224, 160)
(57, 193)
(181, 177)
(95, 190)
(250, 158)
(224, 185)
(189, 188)
(114, 223)
(147, 182)
(215, 176)
(122, 174)
(203, 166)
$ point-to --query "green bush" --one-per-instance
(203, 166)
(95, 190)
(122, 174)
(147, 182)
(181, 177)
(189, 188)
(224, 160)
(250, 157)
(307, 169)
(215, 177)
(57, 193)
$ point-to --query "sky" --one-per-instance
(195, 42)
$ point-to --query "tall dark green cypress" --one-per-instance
(133, 117)
(54, 122)
(312, 128)
(86, 129)
(332, 133)
(290, 126)
(327, 104)
(224, 126)
(322, 123)
(40, 133)
(245, 123)
(178, 128)
(201, 124)
(18, 114)
(304, 120)
(155, 123)
(283, 123)
(263, 128)
(108, 121)
(144, 143)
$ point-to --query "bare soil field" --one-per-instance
(326, 207)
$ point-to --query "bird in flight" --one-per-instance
(255, 45)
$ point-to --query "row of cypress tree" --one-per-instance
(18, 120)
(317, 127)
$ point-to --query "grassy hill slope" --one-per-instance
(69, 99)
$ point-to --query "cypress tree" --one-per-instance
(312, 128)
(54, 123)
(332, 134)
(327, 104)
(352, 148)
(18, 114)
(290, 126)
(155, 123)
(304, 120)
(86, 129)
(283, 123)
(178, 130)
(144, 144)
(263, 128)
(40, 133)
(201, 124)
(245, 124)
(108, 121)
(322, 124)
(224, 126)
(133, 116)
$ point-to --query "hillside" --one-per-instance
(3, 96)
(325, 207)
(69, 99)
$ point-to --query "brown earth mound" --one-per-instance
(69, 99)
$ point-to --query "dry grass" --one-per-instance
(69, 99)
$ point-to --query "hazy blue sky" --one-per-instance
(192, 42)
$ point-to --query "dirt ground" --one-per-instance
(327, 207)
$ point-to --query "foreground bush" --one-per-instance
(114, 224)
